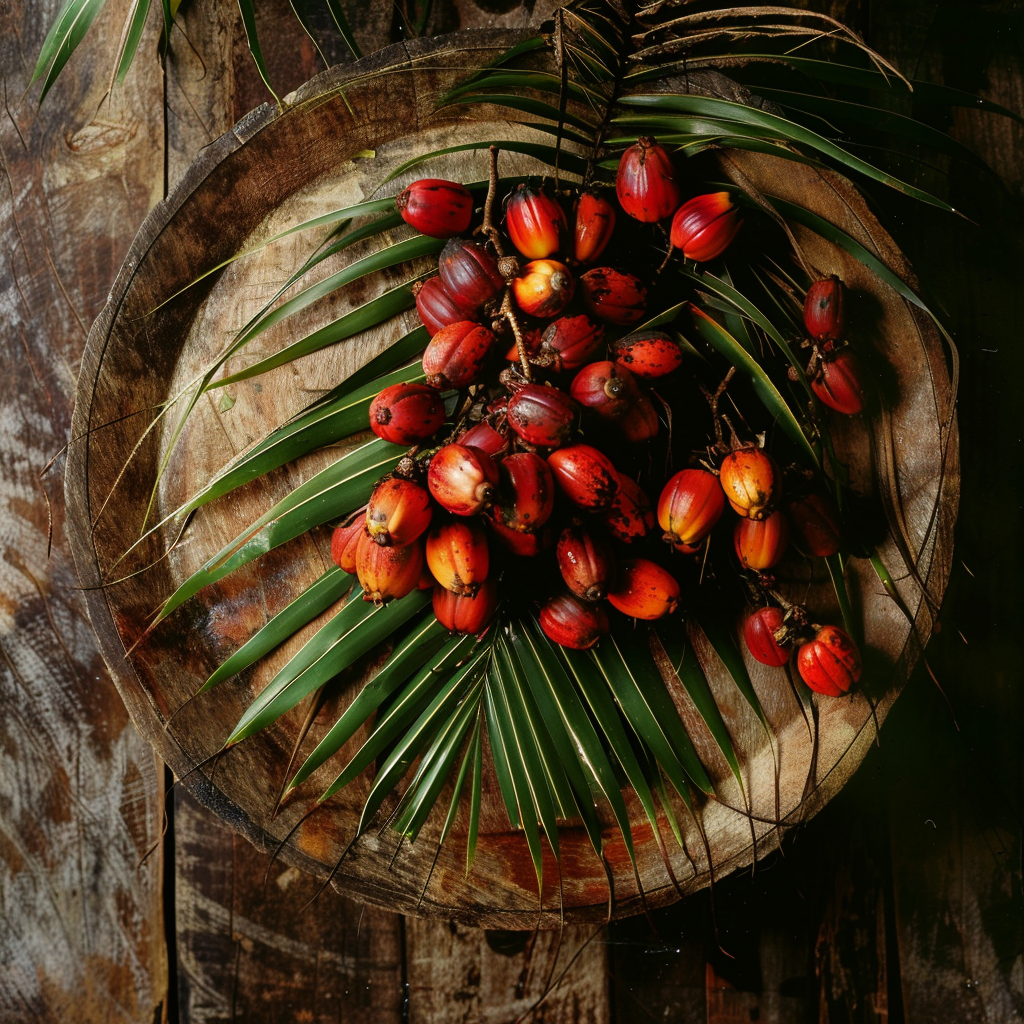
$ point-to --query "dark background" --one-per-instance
(900, 902)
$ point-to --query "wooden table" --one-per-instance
(900, 902)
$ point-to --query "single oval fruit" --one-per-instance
(614, 296)
(458, 555)
(585, 562)
(345, 541)
(816, 519)
(535, 222)
(584, 475)
(647, 354)
(484, 437)
(830, 663)
(593, 227)
(542, 415)
(703, 227)
(469, 274)
(463, 614)
(823, 309)
(759, 631)
(646, 182)
(435, 207)
(629, 517)
(456, 354)
(462, 479)
(838, 383)
(569, 622)
(644, 590)
(436, 307)
(398, 512)
(610, 391)
(761, 543)
(407, 413)
(526, 493)
(544, 288)
(569, 342)
(690, 505)
(386, 574)
(749, 479)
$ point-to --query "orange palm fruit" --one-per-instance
(690, 505)
(570, 622)
(830, 663)
(584, 475)
(704, 226)
(593, 227)
(387, 573)
(544, 288)
(644, 590)
(463, 614)
(750, 481)
(535, 222)
(761, 543)
(458, 555)
(646, 182)
(398, 512)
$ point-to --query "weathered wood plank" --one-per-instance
(81, 801)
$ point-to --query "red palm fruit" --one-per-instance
(750, 481)
(593, 228)
(345, 540)
(436, 207)
(570, 341)
(535, 222)
(484, 437)
(407, 413)
(526, 493)
(816, 519)
(456, 355)
(823, 309)
(644, 590)
(837, 383)
(436, 307)
(690, 505)
(629, 517)
(469, 274)
(761, 543)
(570, 622)
(614, 296)
(462, 479)
(646, 182)
(647, 354)
(830, 663)
(585, 562)
(543, 288)
(525, 545)
(703, 227)
(387, 573)
(584, 475)
(611, 392)
(465, 614)
(398, 512)
(458, 556)
(542, 415)
(531, 340)
(759, 631)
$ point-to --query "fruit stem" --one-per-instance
(509, 314)
(488, 227)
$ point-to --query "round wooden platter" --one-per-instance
(275, 169)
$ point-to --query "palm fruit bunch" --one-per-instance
(546, 407)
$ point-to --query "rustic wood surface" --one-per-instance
(860, 921)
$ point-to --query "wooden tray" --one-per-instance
(273, 170)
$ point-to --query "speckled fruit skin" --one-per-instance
(535, 222)
(455, 356)
(544, 288)
(593, 227)
(345, 541)
(462, 479)
(604, 388)
(750, 481)
(436, 307)
(542, 415)
(816, 520)
(407, 413)
(585, 561)
(469, 274)
(458, 555)
(704, 227)
(630, 516)
(570, 341)
(830, 663)
(644, 590)
(462, 614)
(646, 182)
(759, 635)
(526, 493)
(760, 543)
(570, 622)
(647, 354)
(838, 383)
(435, 207)
(584, 475)
(690, 505)
(614, 296)
(387, 574)
(398, 512)
(824, 316)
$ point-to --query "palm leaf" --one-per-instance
(341, 24)
(131, 36)
(252, 39)
(63, 38)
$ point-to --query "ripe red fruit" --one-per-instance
(462, 479)
(823, 309)
(690, 505)
(610, 391)
(761, 543)
(525, 545)
(593, 228)
(542, 415)
(526, 493)
(484, 437)
(535, 222)
(759, 634)
(398, 512)
(644, 590)
(614, 296)
(749, 479)
(647, 354)
(458, 556)
(584, 475)
(436, 307)
(387, 573)
(463, 614)
(646, 182)
(830, 663)
(569, 622)
(544, 288)
(456, 355)
(407, 413)
(469, 274)
(569, 342)
(704, 226)
(585, 562)
(816, 519)
(629, 516)
(531, 342)
(436, 207)
(345, 540)
(838, 383)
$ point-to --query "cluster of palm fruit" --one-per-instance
(501, 468)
